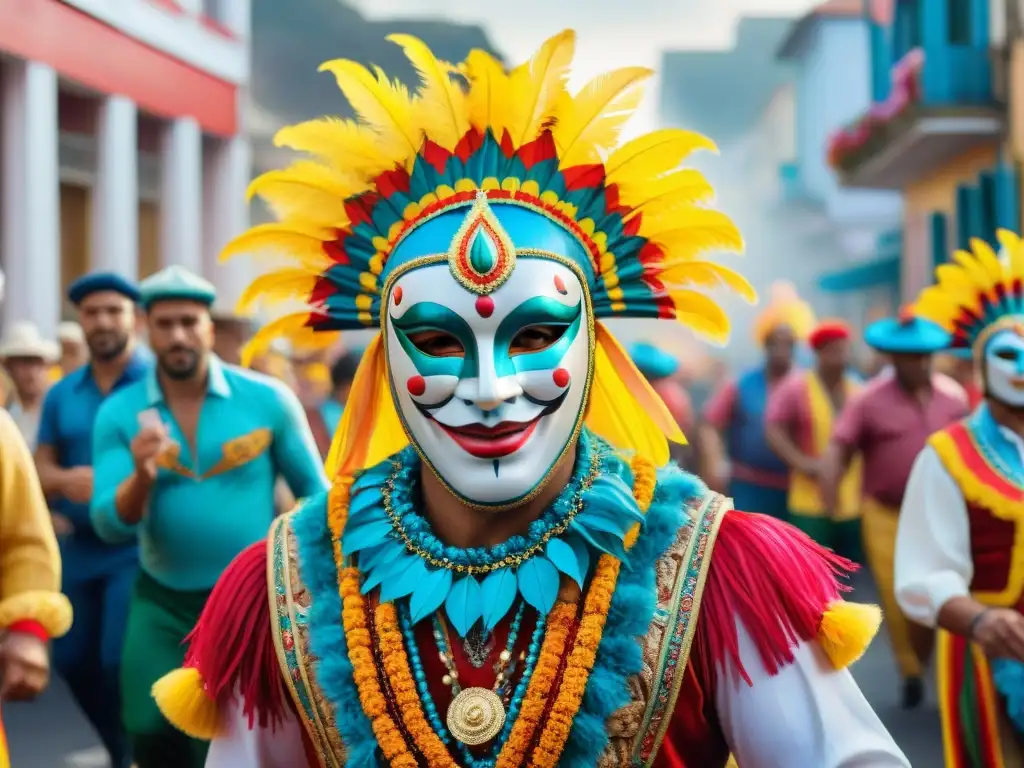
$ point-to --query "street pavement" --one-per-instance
(52, 733)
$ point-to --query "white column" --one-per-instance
(115, 196)
(181, 195)
(30, 215)
(227, 171)
(236, 16)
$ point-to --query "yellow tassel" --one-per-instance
(847, 630)
(182, 699)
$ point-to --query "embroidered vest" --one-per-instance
(995, 508)
(745, 437)
(635, 731)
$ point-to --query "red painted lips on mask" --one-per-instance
(491, 442)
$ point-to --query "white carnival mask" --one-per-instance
(490, 385)
(1004, 366)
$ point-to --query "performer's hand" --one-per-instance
(146, 447)
(77, 484)
(62, 526)
(24, 667)
(1000, 633)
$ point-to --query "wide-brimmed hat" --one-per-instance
(23, 339)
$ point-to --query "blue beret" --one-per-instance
(176, 282)
(912, 336)
(653, 363)
(95, 282)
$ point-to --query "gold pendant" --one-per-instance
(476, 716)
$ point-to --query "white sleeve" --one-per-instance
(245, 747)
(809, 714)
(933, 543)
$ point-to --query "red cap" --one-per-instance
(828, 331)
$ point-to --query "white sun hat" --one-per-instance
(23, 339)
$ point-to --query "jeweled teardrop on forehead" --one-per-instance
(481, 255)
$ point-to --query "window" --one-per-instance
(907, 28)
(958, 21)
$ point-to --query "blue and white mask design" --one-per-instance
(1004, 366)
(491, 387)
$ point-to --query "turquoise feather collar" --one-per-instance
(397, 552)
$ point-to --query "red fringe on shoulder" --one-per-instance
(232, 645)
(773, 578)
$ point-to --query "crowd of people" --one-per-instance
(471, 547)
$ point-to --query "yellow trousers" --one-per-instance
(911, 643)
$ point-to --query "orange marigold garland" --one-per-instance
(396, 665)
(578, 666)
(357, 634)
(545, 673)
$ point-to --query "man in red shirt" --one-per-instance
(888, 424)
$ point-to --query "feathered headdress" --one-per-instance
(977, 293)
(522, 139)
(785, 308)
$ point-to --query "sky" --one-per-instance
(611, 33)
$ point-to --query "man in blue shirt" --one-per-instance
(98, 576)
(186, 460)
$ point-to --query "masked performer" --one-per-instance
(507, 571)
(959, 563)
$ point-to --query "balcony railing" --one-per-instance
(947, 79)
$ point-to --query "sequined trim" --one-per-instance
(681, 625)
(290, 606)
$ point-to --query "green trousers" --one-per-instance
(158, 621)
(841, 536)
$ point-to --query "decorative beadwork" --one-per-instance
(481, 256)
(478, 561)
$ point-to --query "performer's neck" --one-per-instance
(459, 525)
(1007, 416)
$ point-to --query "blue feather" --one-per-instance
(497, 594)
(382, 571)
(366, 502)
(615, 526)
(538, 583)
(581, 550)
(380, 555)
(603, 542)
(364, 536)
(430, 593)
(464, 605)
(564, 559)
(610, 493)
(403, 583)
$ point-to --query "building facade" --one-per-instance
(122, 143)
(830, 49)
(937, 130)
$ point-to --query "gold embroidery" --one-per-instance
(241, 450)
(631, 723)
(170, 460)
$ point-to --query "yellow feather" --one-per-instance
(301, 243)
(708, 274)
(697, 231)
(591, 120)
(648, 157)
(306, 190)
(293, 327)
(1008, 240)
(442, 101)
(488, 92)
(701, 314)
(384, 105)
(972, 270)
(683, 187)
(288, 284)
(349, 148)
(536, 86)
(987, 259)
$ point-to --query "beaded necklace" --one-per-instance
(514, 703)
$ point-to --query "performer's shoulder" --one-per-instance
(784, 589)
